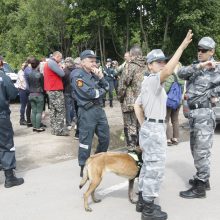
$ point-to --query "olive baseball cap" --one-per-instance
(207, 43)
(156, 55)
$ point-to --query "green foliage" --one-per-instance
(30, 27)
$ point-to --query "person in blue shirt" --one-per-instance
(89, 87)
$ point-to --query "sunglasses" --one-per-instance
(202, 50)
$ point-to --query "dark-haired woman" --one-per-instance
(36, 84)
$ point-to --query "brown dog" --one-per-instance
(122, 164)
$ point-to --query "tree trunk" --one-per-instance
(127, 32)
(113, 42)
(100, 44)
(165, 32)
(103, 44)
(142, 28)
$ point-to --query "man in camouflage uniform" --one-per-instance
(202, 91)
(128, 91)
(109, 75)
(53, 84)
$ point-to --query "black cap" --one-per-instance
(87, 54)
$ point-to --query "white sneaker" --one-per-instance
(69, 127)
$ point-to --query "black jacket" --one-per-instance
(66, 80)
(35, 82)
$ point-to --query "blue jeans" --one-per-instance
(23, 94)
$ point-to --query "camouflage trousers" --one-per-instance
(57, 111)
(202, 125)
(153, 143)
(131, 129)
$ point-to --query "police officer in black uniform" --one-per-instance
(89, 86)
(109, 75)
(7, 149)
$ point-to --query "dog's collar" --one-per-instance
(134, 156)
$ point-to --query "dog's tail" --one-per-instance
(85, 176)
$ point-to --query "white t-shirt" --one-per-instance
(153, 97)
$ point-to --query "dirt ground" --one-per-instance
(37, 149)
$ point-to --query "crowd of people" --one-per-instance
(77, 88)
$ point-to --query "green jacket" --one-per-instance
(168, 83)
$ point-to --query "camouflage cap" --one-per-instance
(207, 43)
(156, 55)
(69, 60)
(77, 60)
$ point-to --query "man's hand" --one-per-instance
(208, 64)
(214, 100)
(187, 40)
(97, 72)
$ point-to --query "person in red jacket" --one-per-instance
(53, 85)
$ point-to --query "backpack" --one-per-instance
(174, 95)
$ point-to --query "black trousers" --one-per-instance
(92, 121)
(7, 151)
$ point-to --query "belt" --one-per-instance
(154, 120)
(200, 105)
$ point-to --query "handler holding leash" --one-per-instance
(89, 86)
(150, 109)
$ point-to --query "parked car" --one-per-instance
(10, 72)
(186, 109)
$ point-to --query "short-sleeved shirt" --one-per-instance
(153, 97)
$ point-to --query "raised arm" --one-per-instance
(170, 66)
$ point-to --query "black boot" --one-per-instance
(140, 203)
(151, 213)
(111, 103)
(23, 122)
(81, 170)
(11, 180)
(196, 191)
(103, 104)
(1, 167)
(207, 184)
(29, 124)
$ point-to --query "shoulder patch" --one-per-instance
(79, 82)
